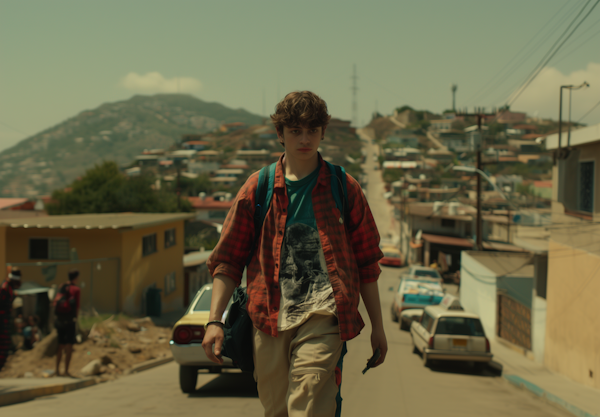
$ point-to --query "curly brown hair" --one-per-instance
(300, 108)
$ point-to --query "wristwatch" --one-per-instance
(212, 322)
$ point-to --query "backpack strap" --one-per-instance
(339, 189)
(263, 197)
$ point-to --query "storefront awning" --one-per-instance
(447, 240)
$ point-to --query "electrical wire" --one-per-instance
(589, 111)
(543, 63)
(577, 48)
(15, 129)
(487, 90)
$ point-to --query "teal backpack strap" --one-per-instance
(263, 196)
(339, 189)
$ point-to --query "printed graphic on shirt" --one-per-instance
(303, 278)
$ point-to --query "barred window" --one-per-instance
(149, 244)
(170, 238)
(49, 248)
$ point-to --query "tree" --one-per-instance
(104, 189)
(403, 108)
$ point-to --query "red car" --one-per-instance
(391, 257)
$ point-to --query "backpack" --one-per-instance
(64, 302)
(264, 195)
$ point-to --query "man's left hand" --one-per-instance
(378, 340)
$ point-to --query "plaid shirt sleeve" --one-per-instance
(364, 236)
(237, 236)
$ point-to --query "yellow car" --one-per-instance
(186, 341)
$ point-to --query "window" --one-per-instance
(586, 186)
(460, 326)
(448, 223)
(217, 214)
(170, 283)
(49, 248)
(427, 321)
(169, 238)
(149, 244)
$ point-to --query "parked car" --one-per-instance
(408, 316)
(186, 341)
(416, 293)
(417, 271)
(391, 256)
(447, 332)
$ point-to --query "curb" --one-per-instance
(27, 394)
(550, 398)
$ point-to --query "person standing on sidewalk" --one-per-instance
(7, 296)
(66, 307)
(307, 272)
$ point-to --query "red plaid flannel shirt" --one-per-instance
(351, 254)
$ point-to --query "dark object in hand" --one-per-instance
(373, 359)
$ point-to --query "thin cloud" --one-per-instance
(542, 96)
(154, 82)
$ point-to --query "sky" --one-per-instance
(59, 57)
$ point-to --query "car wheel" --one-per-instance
(394, 315)
(426, 361)
(215, 370)
(188, 376)
(404, 325)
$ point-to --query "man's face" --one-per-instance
(301, 142)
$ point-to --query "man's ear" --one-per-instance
(323, 132)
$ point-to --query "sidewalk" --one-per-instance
(18, 390)
(554, 388)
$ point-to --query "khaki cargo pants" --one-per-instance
(296, 371)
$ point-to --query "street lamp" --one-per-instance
(570, 88)
(479, 225)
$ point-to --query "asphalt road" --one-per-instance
(401, 387)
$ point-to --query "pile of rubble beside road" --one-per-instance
(109, 349)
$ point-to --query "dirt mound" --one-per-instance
(109, 341)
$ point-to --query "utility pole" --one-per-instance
(354, 89)
(480, 114)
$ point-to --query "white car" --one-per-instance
(186, 342)
(417, 271)
(408, 316)
(415, 293)
(447, 332)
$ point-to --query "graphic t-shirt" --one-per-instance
(303, 278)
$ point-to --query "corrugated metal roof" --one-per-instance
(97, 221)
(11, 202)
(505, 263)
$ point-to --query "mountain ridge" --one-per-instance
(115, 131)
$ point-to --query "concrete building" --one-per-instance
(119, 256)
(500, 288)
(572, 336)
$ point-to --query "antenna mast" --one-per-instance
(354, 89)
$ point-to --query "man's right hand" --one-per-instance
(214, 336)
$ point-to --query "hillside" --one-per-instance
(114, 131)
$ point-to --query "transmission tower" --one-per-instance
(454, 87)
(354, 89)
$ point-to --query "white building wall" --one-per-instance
(478, 292)
(538, 327)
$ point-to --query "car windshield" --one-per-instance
(426, 273)
(460, 326)
(203, 304)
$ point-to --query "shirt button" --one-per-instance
(275, 309)
(275, 286)
(276, 265)
(284, 210)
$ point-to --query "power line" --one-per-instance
(543, 63)
(579, 46)
(486, 90)
(15, 129)
(589, 111)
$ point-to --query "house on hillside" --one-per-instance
(232, 127)
(211, 208)
(442, 125)
(262, 155)
(119, 256)
(197, 145)
(572, 304)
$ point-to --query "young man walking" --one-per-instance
(66, 308)
(7, 296)
(307, 272)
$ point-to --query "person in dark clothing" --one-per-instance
(66, 307)
(7, 295)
